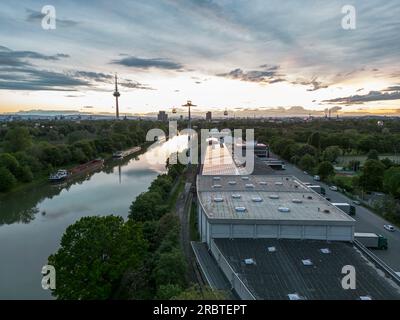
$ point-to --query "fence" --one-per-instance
(237, 284)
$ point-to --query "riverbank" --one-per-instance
(33, 220)
(43, 178)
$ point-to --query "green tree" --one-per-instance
(95, 253)
(170, 268)
(145, 207)
(8, 161)
(331, 153)
(18, 139)
(387, 163)
(195, 292)
(7, 180)
(391, 181)
(169, 291)
(315, 140)
(372, 175)
(325, 170)
(306, 149)
(373, 155)
(24, 174)
(307, 162)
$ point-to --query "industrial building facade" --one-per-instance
(256, 207)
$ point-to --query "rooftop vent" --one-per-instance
(217, 186)
(309, 198)
(271, 249)
(326, 211)
(249, 262)
(325, 251)
(263, 183)
(232, 183)
(279, 183)
(307, 262)
(297, 201)
(236, 196)
(217, 178)
(218, 200)
(249, 185)
(295, 297)
(245, 178)
(257, 199)
(274, 196)
(283, 209)
(240, 209)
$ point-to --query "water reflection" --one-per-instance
(33, 221)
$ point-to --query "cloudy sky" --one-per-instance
(235, 54)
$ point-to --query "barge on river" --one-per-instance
(126, 153)
(88, 167)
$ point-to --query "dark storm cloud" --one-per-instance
(144, 63)
(267, 74)
(135, 85)
(314, 83)
(13, 58)
(371, 96)
(95, 76)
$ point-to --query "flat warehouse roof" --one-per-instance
(218, 160)
(305, 268)
(273, 198)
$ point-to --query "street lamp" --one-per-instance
(190, 105)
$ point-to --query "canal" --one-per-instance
(33, 221)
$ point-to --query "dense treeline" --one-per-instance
(142, 258)
(31, 150)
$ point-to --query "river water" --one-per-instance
(33, 221)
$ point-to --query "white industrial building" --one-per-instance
(255, 207)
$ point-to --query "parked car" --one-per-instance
(357, 203)
(317, 178)
(390, 228)
(333, 188)
(305, 172)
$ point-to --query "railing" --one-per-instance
(237, 284)
(378, 262)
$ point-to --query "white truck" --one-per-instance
(372, 240)
(318, 189)
(346, 207)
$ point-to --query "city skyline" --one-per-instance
(221, 54)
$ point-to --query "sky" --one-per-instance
(240, 55)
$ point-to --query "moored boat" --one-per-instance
(63, 174)
(59, 176)
(87, 167)
(126, 153)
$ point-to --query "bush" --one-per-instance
(7, 180)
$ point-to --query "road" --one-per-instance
(367, 221)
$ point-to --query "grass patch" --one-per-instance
(178, 189)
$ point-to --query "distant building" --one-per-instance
(209, 116)
(162, 116)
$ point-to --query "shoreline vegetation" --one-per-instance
(141, 258)
(30, 152)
